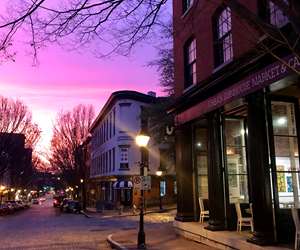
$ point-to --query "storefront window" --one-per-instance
(163, 188)
(236, 160)
(201, 161)
(286, 154)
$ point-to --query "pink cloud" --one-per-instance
(64, 79)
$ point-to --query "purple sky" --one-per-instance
(64, 79)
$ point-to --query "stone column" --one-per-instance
(259, 171)
(215, 174)
(184, 172)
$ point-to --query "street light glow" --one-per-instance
(159, 173)
(142, 140)
(81, 180)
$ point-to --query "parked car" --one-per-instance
(35, 201)
(4, 209)
(42, 199)
(15, 205)
(71, 206)
(57, 200)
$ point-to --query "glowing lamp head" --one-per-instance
(81, 180)
(142, 140)
(159, 173)
(2, 188)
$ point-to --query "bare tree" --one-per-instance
(15, 118)
(70, 130)
(164, 63)
(117, 25)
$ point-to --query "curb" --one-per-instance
(113, 244)
(85, 214)
(90, 214)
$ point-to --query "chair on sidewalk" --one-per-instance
(242, 221)
(203, 213)
(297, 226)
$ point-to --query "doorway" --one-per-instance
(284, 156)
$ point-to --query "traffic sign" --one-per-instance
(146, 182)
(142, 182)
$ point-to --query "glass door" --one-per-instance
(236, 160)
(284, 152)
(201, 161)
(236, 174)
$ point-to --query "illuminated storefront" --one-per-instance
(241, 144)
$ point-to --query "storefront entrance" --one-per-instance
(235, 165)
(284, 151)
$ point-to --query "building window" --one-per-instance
(106, 161)
(114, 121)
(286, 153)
(223, 37)
(101, 166)
(102, 163)
(107, 129)
(187, 4)
(110, 125)
(114, 158)
(175, 187)
(110, 160)
(236, 160)
(277, 18)
(104, 131)
(201, 160)
(124, 158)
(190, 62)
(163, 188)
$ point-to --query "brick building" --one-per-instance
(237, 118)
(17, 161)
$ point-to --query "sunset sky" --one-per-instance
(64, 79)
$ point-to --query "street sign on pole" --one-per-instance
(146, 184)
(142, 182)
(137, 182)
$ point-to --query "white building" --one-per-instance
(114, 155)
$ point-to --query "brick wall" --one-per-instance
(197, 22)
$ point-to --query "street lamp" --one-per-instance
(159, 174)
(142, 140)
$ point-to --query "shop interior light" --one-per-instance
(199, 144)
(281, 121)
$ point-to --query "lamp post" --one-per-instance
(142, 140)
(159, 174)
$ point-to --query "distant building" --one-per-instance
(16, 165)
(115, 157)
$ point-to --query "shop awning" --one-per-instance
(123, 185)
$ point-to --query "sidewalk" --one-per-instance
(91, 212)
(160, 236)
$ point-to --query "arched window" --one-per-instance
(187, 4)
(223, 37)
(190, 63)
(277, 18)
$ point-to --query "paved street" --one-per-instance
(43, 227)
